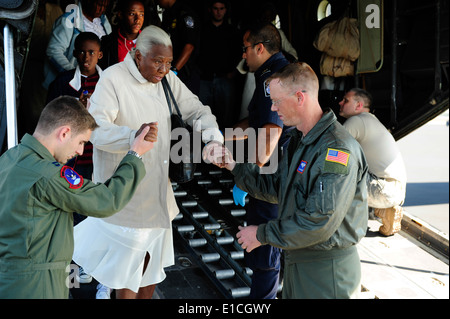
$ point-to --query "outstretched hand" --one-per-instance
(216, 153)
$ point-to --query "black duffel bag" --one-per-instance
(183, 168)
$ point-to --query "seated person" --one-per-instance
(122, 40)
(386, 183)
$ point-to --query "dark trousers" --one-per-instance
(220, 95)
(264, 261)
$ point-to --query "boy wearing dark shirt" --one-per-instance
(80, 83)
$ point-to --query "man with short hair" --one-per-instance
(320, 187)
(39, 193)
(218, 55)
(387, 173)
(262, 52)
(183, 27)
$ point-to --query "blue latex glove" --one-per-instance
(239, 196)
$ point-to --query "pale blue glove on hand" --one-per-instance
(239, 196)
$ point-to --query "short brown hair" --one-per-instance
(363, 96)
(65, 110)
(296, 76)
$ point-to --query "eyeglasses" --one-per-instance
(244, 49)
(277, 103)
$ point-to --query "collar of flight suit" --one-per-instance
(32, 143)
(327, 119)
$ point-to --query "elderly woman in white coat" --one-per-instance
(128, 251)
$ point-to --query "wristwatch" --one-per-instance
(134, 154)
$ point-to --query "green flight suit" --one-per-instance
(320, 188)
(36, 220)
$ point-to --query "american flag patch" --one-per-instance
(337, 156)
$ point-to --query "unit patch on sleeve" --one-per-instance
(74, 179)
(336, 161)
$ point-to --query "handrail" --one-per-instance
(23, 12)
(10, 87)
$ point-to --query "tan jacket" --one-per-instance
(123, 100)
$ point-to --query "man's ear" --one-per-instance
(300, 97)
(261, 48)
(359, 106)
(100, 55)
(64, 132)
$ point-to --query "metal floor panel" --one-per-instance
(209, 261)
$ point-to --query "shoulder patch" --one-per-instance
(74, 179)
(337, 156)
(189, 22)
(336, 161)
(266, 89)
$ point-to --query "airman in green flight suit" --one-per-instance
(38, 195)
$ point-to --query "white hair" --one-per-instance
(150, 36)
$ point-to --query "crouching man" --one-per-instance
(386, 183)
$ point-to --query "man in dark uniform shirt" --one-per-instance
(181, 23)
(262, 46)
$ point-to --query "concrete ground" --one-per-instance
(426, 155)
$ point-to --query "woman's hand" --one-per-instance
(152, 135)
(141, 144)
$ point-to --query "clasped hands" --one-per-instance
(145, 138)
(216, 153)
(152, 135)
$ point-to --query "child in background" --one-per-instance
(80, 83)
(86, 16)
(122, 40)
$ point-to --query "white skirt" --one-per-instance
(114, 255)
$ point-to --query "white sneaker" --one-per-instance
(103, 292)
(83, 277)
